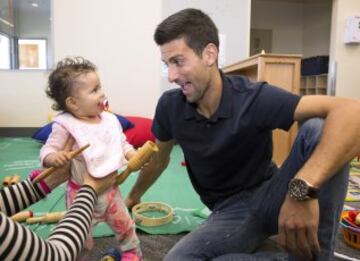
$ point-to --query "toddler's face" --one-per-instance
(88, 95)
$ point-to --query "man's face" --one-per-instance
(186, 69)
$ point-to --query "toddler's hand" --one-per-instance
(58, 159)
(130, 154)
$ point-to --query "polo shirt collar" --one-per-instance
(225, 107)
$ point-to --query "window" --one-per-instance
(4, 52)
(32, 54)
(25, 35)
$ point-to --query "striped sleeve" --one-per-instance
(65, 242)
(16, 197)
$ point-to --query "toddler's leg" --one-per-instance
(118, 218)
(71, 191)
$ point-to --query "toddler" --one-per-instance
(76, 90)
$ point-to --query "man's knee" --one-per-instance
(309, 135)
(312, 127)
(173, 255)
(181, 252)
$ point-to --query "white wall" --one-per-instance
(117, 36)
(299, 27)
(285, 19)
(316, 29)
(346, 57)
(22, 99)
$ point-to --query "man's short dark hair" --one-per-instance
(193, 25)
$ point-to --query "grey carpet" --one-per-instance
(154, 247)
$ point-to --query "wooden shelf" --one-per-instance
(314, 84)
(281, 70)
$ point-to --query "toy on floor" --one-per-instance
(50, 170)
(350, 222)
(22, 216)
(112, 254)
(140, 219)
(51, 217)
(141, 157)
(10, 180)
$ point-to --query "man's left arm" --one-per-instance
(340, 139)
(339, 143)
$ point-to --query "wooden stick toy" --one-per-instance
(22, 216)
(51, 217)
(6, 181)
(11, 180)
(141, 157)
(15, 179)
(50, 170)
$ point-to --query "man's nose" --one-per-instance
(172, 74)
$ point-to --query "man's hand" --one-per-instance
(130, 202)
(298, 228)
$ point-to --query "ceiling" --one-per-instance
(41, 6)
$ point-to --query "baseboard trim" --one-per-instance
(17, 131)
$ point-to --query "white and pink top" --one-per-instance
(108, 145)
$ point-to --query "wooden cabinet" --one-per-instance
(313, 84)
(281, 70)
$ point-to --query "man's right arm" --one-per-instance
(150, 172)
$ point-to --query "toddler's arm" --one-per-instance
(52, 154)
(128, 149)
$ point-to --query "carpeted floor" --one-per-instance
(155, 247)
(22, 156)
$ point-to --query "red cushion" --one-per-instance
(141, 132)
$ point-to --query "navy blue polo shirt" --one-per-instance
(232, 150)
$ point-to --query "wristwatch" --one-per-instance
(301, 190)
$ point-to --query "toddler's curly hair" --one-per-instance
(62, 79)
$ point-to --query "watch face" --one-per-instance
(298, 189)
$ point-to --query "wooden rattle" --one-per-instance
(138, 160)
(50, 170)
(52, 217)
(7, 181)
(10, 180)
(15, 179)
(22, 216)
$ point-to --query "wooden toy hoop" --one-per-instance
(142, 220)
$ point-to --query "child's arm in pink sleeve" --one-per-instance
(55, 142)
(126, 146)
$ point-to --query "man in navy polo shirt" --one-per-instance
(224, 126)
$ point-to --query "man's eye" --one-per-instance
(179, 62)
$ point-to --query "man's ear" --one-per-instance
(71, 103)
(210, 53)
